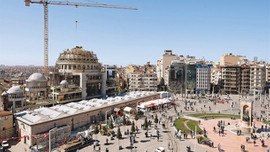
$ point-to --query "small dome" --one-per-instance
(4, 93)
(15, 90)
(36, 77)
(64, 82)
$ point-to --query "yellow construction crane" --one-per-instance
(45, 3)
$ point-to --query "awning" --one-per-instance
(128, 109)
(116, 109)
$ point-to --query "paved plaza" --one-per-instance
(229, 142)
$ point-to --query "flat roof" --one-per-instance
(5, 113)
(45, 114)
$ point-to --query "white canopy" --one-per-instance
(128, 109)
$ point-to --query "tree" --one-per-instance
(119, 135)
(136, 116)
(111, 124)
(124, 120)
(145, 123)
(96, 131)
(133, 127)
(156, 119)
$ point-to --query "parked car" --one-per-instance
(160, 149)
(5, 144)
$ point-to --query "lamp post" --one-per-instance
(195, 138)
(50, 146)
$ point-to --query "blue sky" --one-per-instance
(203, 28)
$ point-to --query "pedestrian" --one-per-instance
(219, 147)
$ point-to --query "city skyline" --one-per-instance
(124, 37)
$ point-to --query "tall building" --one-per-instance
(176, 77)
(231, 76)
(257, 77)
(112, 80)
(203, 74)
(267, 78)
(245, 79)
(191, 77)
(216, 76)
(164, 62)
(80, 67)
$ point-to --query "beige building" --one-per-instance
(74, 115)
(164, 63)
(6, 125)
(257, 77)
(267, 78)
(130, 69)
(230, 59)
(139, 81)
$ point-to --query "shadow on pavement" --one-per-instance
(144, 141)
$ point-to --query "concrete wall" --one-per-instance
(6, 127)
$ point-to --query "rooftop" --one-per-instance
(5, 113)
(45, 114)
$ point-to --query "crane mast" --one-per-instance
(46, 37)
(45, 4)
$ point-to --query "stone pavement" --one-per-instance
(230, 142)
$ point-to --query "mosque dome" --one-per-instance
(36, 77)
(64, 82)
(77, 55)
(15, 90)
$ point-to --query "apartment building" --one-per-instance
(245, 79)
(257, 77)
(164, 63)
(203, 75)
(231, 76)
(139, 81)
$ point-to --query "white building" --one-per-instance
(216, 76)
(203, 77)
(36, 87)
(12, 98)
(257, 77)
(73, 115)
(267, 78)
